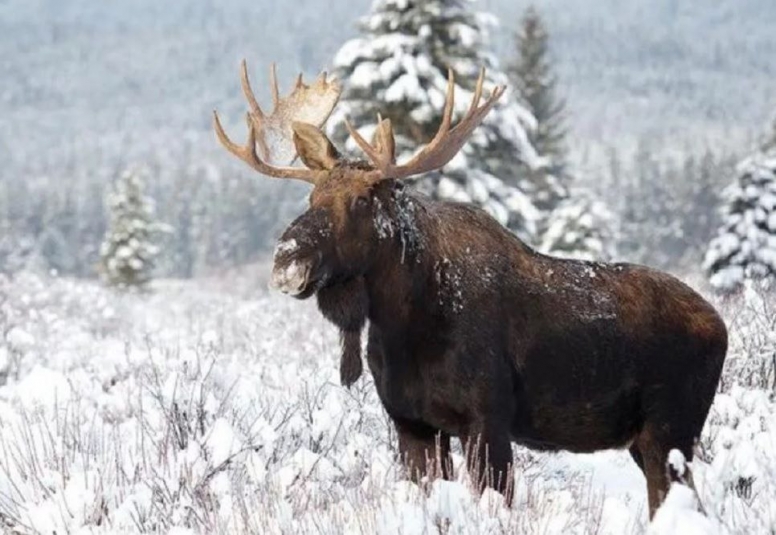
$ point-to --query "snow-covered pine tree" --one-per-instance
(127, 252)
(577, 224)
(531, 73)
(398, 68)
(745, 246)
(581, 227)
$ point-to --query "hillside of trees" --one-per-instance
(656, 92)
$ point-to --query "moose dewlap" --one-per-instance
(472, 334)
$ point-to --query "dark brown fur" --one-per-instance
(474, 335)
(345, 305)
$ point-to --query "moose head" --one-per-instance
(336, 239)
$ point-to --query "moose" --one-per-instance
(472, 333)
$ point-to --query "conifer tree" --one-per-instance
(128, 251)
(531, 72)
(745, 245)
(398, 68)
(576, 224)
(581, 227)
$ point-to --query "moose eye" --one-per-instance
(361, 203)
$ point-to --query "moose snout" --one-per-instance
(290, 273)
(290, 278)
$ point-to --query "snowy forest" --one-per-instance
(651, 118)
(151, 383)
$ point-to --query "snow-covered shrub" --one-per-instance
(735, 466)
(745, 246)
(191, 409)
(753, 333)
(195, 409)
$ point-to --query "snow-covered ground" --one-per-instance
(202, 409)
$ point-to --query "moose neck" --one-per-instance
(402, 222)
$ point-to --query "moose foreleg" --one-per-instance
(424, 451)
(489, 461)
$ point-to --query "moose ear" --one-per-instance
(313, 147)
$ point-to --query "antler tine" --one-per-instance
(387, 143)
(273, 83)
(441, 149)
(447, 142)
(476, 115)
(247, 153)
(477, 91)
(248, 92)
(271, 142)
(447, 113)
(363, 144)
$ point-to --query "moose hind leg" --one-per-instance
(654, 444)
(424, 451)
(637, 457)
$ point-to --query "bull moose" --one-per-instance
(473, 334)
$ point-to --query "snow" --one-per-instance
(404, 88)
(580, 227)
(19, 340)
(679, 515)
(5, 362)
(349, 52)
(190, 410)
(364, 75)
(677, 462)
(222, 442)
(286, 246)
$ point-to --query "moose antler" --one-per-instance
(310, 104)
(442, 148)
